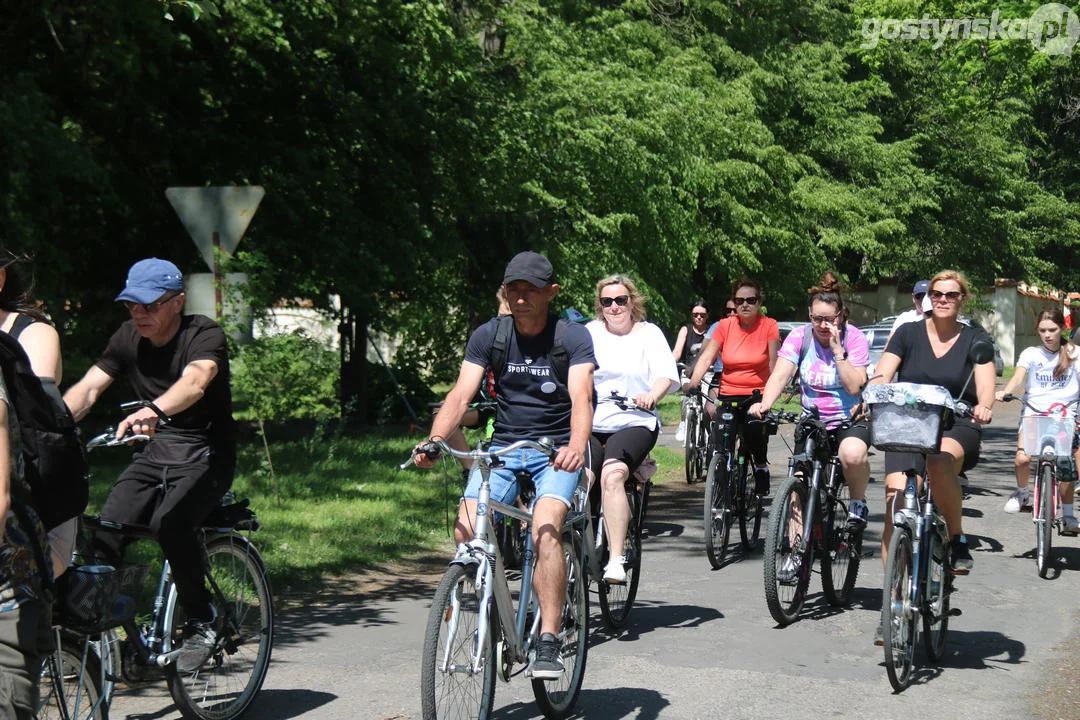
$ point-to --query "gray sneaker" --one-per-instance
(200, 636)
(547, 664)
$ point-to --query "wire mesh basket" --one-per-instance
(908, 417)
(93, 598)
(1047, 432)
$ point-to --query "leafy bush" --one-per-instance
(286, 377)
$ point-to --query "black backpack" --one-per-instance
(54, 457)
(560, 358)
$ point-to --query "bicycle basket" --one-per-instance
(1047, 431)
(908, 417)
(93, 598)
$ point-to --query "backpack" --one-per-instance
(54, 458)
(560, 358)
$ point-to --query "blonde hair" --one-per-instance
(637, 300)
(956, 276)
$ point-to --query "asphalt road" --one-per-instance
(701, 643)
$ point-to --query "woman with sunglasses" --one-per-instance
(688, 346)
(831, 357)
(747, 343)
(935, 352)
(634, 360)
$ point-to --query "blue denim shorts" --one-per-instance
(549, 482)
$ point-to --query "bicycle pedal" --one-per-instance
(955, 612)
(866, 554)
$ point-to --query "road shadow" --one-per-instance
(623, 703)
(1062, 559)
(647, 617)
(972, 650)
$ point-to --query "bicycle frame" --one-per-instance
(812, 524)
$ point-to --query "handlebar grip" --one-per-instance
(1008, 397)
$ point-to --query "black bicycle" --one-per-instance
(729, 495)
(808, 516)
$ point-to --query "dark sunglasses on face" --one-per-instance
(699, 314)
(919, 296)
(148, 307)
(748, 300)
(818, 319)
(730, 310)
(951, 296)
(621, 301)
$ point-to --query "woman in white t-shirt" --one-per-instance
(633, 359)
(1048, 373)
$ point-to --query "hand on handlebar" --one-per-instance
(425, 454)
(568, 459)
(982, 414)
(645, 401)
(143, 421)
(757, 410)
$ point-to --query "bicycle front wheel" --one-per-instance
(1044, 523)
(843, 548)
(227, 683)
(692, 457)
(71, 689)
(750, 510)
(788, 559)
(936, 613)
(717, 510)
(898, 618)
(556, 698)
(616, 600)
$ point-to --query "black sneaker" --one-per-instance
(961, 555)
(547, 664)
(761, 481)
(200, 636)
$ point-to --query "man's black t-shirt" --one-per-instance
(918, 365)
(206, 425)
(532, 402)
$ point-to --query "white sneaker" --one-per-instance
(680, 434)
(1069, 525)
(614, 572)
(1019, 498)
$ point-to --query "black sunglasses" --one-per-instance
(621, 301)
(150, 307)
(748, 300)
(730, 310)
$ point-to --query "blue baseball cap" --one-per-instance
(149, 279)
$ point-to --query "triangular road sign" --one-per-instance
(226, 211)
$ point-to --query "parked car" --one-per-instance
(878, 333)
(787, 326)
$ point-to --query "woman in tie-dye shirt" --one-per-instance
(832, 370)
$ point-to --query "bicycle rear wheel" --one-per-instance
(227, 683)
(71, 689)
(717, 510)
(898, 618)
(1044, 523)
(750, 510)
(788, 560)
(448, 686)
(936, 613)
(843, 549)
(556, 698)
(616, 600)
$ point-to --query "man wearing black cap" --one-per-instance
(533, 403)
(921, 306)
(181, 363)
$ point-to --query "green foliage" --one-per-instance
(283, 377)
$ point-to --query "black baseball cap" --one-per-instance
(531, 267)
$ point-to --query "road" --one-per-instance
(701, 643)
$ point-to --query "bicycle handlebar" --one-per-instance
(621, 401)
(109, 439)
(1009, 397)
(432, 448)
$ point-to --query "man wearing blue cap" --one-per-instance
(180, 363)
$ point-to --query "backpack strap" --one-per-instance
(560, 358)
(22, 321)
(807, 338)
(497, 353)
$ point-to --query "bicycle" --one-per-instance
(1049, 439)
(90, 657)
(809, 516)
(475, 634)
(698, 439)
(728, 495)
(906, 417)
(617, 599)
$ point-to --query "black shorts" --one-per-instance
(963, 431)
(630, 445)
(859, 430)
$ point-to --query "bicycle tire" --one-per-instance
(784, 593)
(898, 619)
(460, 692)
(65, 681)
(556, 698)
(843, 549)
(226, 685)
(717, 515)
(1044, 525)
(691, 458)
(616, 601)
(938, 589)
(750, 509)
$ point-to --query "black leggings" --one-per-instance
(754, 439)
(630, 445)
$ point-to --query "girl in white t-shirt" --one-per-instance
(1048, 373)
(633, 360)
